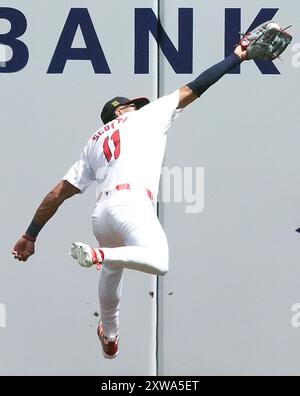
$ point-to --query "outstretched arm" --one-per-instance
(24, 248)
(192, 91)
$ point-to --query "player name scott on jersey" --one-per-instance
(109, 127)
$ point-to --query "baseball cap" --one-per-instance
(108, 111)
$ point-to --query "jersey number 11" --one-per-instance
(115, 137)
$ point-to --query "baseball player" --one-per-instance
(124, 157)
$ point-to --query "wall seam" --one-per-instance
(158, 215)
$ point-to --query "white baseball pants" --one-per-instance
(130, 235)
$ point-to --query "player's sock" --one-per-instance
(98, 257)
(213, 74)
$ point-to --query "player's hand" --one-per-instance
(23, 249)
(241, 53)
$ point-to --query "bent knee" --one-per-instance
(162, 266)
(162, 272)
(162, 262)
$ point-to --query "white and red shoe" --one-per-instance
(86, 256)
(110, 348)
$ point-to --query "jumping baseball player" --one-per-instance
(125, 157)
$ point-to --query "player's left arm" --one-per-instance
(193, 90)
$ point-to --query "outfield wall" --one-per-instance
(229, 192)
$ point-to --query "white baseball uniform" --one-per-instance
(125, 157)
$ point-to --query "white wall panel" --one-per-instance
(45, 121)
(225, 305)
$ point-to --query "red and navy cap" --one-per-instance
(108, 112)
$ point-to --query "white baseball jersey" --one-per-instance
(128, 150)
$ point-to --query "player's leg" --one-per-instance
(110, 288)
(146, 247)
(110, 291)
(144, 259)
(135, 224)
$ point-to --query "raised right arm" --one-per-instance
(193, 90)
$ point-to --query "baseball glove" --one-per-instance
(266, 42)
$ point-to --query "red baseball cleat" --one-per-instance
(109, 348)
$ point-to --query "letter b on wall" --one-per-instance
(20, 51)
